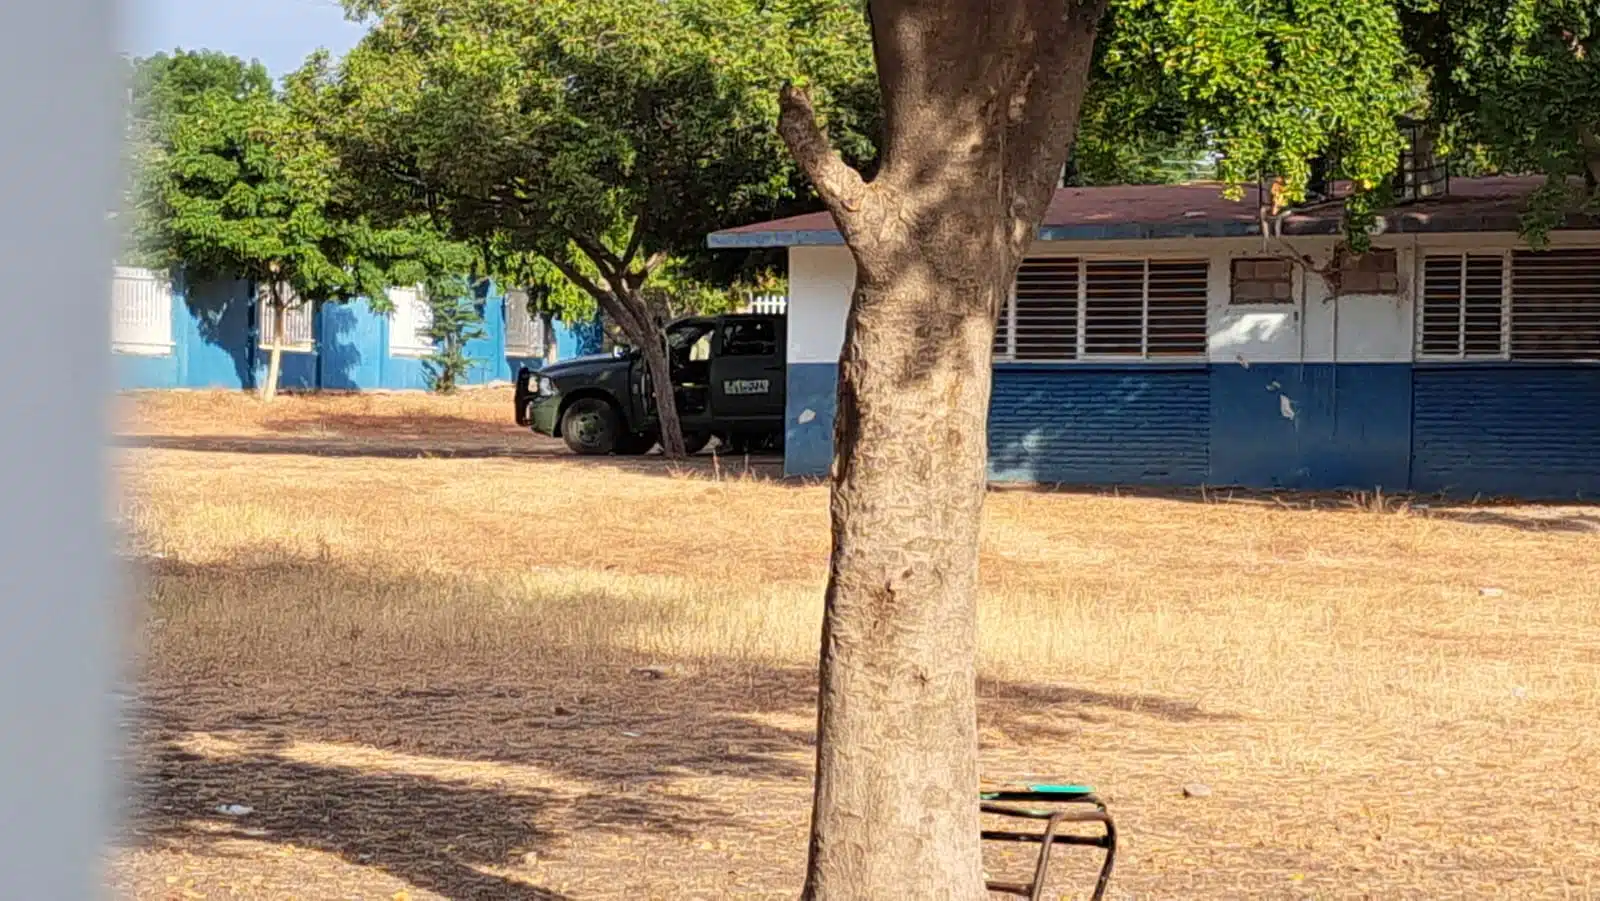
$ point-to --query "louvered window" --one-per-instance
(1523, 305)
(526, 335)
(410, 322)
(141, 312)
(1065, 309)
(1555, 305)
(1462, 304)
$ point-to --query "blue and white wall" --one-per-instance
(210, 339)
(1320, 393)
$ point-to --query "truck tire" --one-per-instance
(590, 427)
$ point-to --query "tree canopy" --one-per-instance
(234, 181)
(612, 125)
(1515, 87)
(599, 138)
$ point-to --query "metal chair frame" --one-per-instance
(1005, 803)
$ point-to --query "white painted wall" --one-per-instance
(820, 282)
(1250, 333)
(1314, 329)
(1360, 328)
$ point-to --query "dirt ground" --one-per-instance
(393, 647)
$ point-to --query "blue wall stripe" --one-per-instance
(812, 396)
(1311, 426)
(1531, 431)
(214, 346)
(1141, 427)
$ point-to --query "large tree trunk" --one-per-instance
(980, 101)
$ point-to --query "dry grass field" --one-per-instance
(410, 638)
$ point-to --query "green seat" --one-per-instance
(1029, 792)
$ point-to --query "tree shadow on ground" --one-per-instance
(437, 436)
(1527, 520)
(432, 833)
(445, 769)
(1046, 697)
(513, 447)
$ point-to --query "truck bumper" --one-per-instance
(544, 415)
(541, 413)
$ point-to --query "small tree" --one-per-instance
(233, 181)
(455, 321)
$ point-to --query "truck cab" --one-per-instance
(728, 374)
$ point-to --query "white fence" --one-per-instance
(526, 335)
(141, 312)
(768, 304)
(299, 330)
(410, 323)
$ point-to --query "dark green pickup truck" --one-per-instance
(728, 374)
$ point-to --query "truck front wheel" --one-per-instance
(590, 427)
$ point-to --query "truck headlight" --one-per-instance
(546, 387)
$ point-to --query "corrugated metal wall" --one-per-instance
(1133, 426)
(1521, 430)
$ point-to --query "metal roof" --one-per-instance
(1144, 212)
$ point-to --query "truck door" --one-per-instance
(689, 346)
(747, 371)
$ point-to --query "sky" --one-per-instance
(280, 33)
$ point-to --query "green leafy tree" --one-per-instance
(233, 181)
(161, 88)
(603, 137)
(455, 321)
(981, 102)
(1515, 85)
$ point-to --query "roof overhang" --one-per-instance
(1198, 211)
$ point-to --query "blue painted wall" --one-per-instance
(1311, 426)
(1092, 425)
(1126, 425)
(1525, 431)
(214, 346)
(1522, 431)
(212, 333)
(812, 395)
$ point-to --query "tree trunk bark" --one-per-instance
(896, 812)
(981, 102)
(269, 388)
(621, 300)
(656, 363)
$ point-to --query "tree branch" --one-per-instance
(607, 262)
(840, 186)
(633, 325)
(1046, 98)
(634, 241)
